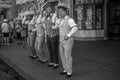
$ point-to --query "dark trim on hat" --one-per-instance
(46, 5)
(65, 8)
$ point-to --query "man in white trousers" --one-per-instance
(67, 28)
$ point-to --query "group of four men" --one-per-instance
(59, 29)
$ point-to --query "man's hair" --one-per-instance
(64, 9)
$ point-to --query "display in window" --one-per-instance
(89, 17)
(98, 1)
(84, 1)
(79, 1)
(89, 1)
(98, 19)
(79, 16)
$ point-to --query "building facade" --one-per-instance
(94, 19)
(7, 9)
(25, 6)
(89, 15)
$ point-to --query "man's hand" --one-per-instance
(66, 37)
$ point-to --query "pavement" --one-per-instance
(92, 60)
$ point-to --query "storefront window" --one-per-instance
(87, 14)
(84, 1)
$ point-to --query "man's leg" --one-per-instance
(7, 38)
(68, 50)
(50, 49)
(32, 47)
(4, 38)
(37, 48)
(41, 42)
(62, 55)
(56, 50)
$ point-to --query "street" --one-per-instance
(92, 60)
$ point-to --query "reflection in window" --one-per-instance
(98, 19)
(89, 17)
(88, 14)
(79, 16)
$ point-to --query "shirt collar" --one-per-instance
(66, 17)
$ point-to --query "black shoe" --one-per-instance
(55, 67)
(68, 75)
(30, 56)
(34, 57)
(44, 61)
(63, 73)
(50, 65)
(39, 60)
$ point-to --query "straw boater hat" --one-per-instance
(62, 5)
(49, 3)
(46, 5)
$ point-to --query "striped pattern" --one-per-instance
(51, 32)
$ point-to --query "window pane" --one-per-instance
(79, 11)
(89, 17)
(98, 19)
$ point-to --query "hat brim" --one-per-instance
(46, 5)
(62, 6)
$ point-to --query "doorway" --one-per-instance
(3, 14)
(113, 19)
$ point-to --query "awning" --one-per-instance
(26, 13)
(22, 1)
(5, 6)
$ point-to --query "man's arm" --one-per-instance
(74, 29)
(57, 23)
(73, 25)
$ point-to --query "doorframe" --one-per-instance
(107, 34)
(106, 27)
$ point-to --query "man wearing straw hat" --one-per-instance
(67, 28)
(52, 34)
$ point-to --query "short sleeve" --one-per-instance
(39, 19)
(54, 17)
(72, 23)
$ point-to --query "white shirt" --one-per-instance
(23, 21)
(40, 27)
(5, 27)
(71, 23)
(54, 17)
(39, 19)
(33, 21)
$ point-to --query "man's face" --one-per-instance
(48, 10)
(61, 13)
(44, 13)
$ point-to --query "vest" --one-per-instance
(51, 32)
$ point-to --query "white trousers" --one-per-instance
(39, 43)
(65, 54)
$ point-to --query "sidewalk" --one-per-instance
(92, 60)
